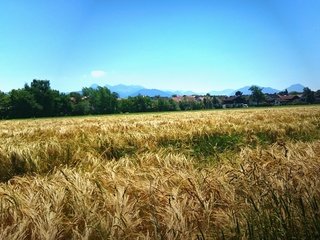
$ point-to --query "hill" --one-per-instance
(296, 88)
(152, 93)
(125, 91)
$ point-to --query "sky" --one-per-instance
(166, 44)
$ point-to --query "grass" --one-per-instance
(243, 174)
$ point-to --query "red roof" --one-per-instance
(288, 97)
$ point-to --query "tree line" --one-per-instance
(39, 100)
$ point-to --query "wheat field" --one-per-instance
(221, 174)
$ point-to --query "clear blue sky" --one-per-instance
(167, 44)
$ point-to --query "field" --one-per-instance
(222, 174)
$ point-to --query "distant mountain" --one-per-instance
(125, 90)
(245, 90)
(152, 93)
(270, 90)
(296, 88)
(222, 92)
(181, 93)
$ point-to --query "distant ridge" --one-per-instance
(125, 91)
(296, 88)
(181, 93)
(245, 90)
(222, 92)
(152, 93)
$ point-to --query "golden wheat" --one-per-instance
(191, 175)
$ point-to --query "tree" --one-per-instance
(173, 106)
(284, 93)
(101, 100)
(4, 105)
(207, 101)
(23, 104)
(142, 104)
(81, 108)
(239, 93)
(257, 94)
(308, 95)
(63, 105)
(162, 104)
(44, 96)
(125, 105)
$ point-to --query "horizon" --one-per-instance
(186, 45)
(224, 91)
(204, 92)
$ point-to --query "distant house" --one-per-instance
(178, 99)
(288, 99)
(276, 99)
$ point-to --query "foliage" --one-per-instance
(4, 105)
(39, 100)
(284, 93)
(23, 104)
(210, 102)
(238, 93)
(257, 94)
(101, 100)
(309, 95)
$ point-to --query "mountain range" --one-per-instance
(125, 91)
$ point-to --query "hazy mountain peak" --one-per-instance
(296, 88)
(133, 90)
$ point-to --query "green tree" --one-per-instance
(63, 105)
(165, 104)
(44, 96)
(4, 105)
(125, 105)
(79, 105)
(101, 100)
(285, 92)
(208, 101)
(238, 93)
(308, 95)
(173, 106)
(23, 104)
(81, 108)
(257, 94)
(190, 104)
(185, 105)
(142, 104)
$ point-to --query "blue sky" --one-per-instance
(187, 45)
